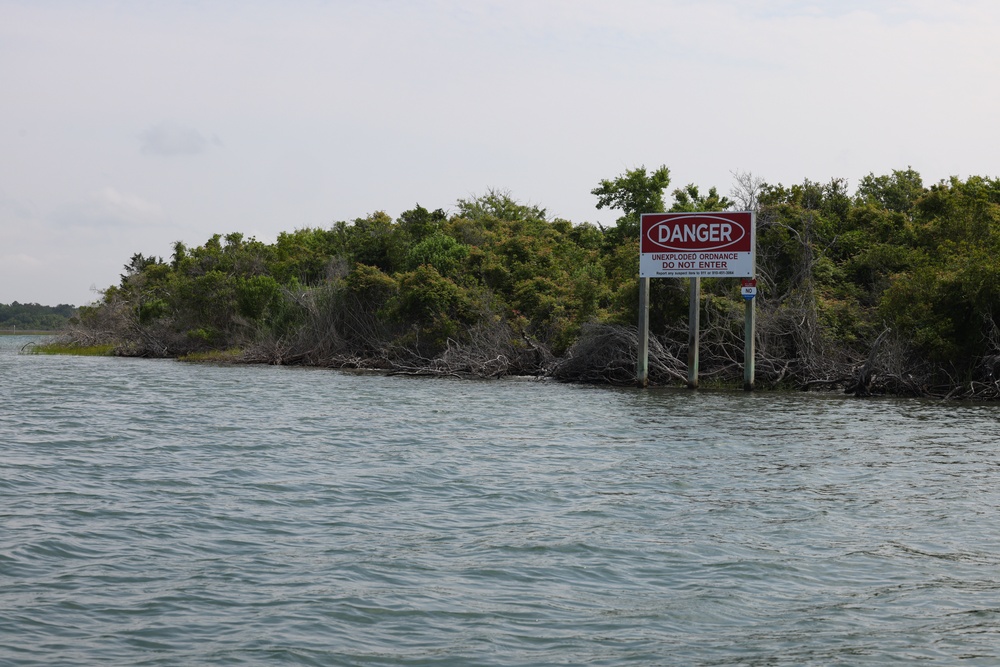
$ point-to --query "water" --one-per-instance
(158, 513)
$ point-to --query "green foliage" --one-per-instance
(434, 308)
(137, 265)
(498, 205)
(257, 296)
(440, 251)
(33, 317)
(688, 199)
(303, 255)
(370, 284)
(633, 193)
(418, 223)
(897, 192)
(835, 270)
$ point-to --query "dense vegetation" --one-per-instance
(33, 317)
(892, 288)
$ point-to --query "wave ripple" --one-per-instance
(156, 513)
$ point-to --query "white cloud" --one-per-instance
(108, 207)
(168, 139)
(126, 208)
(20, 261)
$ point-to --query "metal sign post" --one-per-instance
(694, 329)
(748, 290)
(642, 363)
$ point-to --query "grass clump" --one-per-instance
(57, 347)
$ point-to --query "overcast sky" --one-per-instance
(126, 126)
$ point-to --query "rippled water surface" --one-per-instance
(158, 513)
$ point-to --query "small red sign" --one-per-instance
(748, 282)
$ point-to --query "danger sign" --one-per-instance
(697, 245)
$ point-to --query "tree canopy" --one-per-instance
(898, 273)
(32, 316)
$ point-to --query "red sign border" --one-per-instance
(744, 219)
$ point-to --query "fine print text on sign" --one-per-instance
(697, 245)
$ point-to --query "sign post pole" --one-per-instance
(694, 325)
(749, 351)
(642, 361)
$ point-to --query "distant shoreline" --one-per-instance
(28, 332)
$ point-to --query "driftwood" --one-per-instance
(606, 354)
(865, 376)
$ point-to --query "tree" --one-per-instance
(137, 265)
(499, 205)
(898, 192)
(21, 316)
(688, 199)
(633, 193)
(419, 223)
(746, 191)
